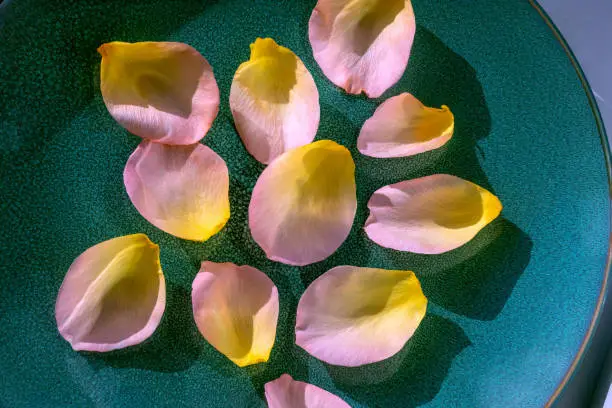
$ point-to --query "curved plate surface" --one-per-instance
(508, 312)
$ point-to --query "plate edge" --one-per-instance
(605, 145)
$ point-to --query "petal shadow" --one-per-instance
(411, 377)
(480, 281)
(173, 347)
(286, 357)
(476, 279)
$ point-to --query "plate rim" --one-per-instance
(605, 145)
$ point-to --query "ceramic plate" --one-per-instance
(509, 313)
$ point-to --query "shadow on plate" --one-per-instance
(437, 76)
(174, 346)
(476, 279)
(411, 377)
(286, 356)
(478, 282)
(234, 242)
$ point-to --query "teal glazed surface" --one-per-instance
(508, 311)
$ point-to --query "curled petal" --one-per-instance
(162, 91)
(304, 203)
(274, 101)
(236, 310)
(429, 215)
(403, 126)
(362, 45)
(182, 190)
(113, 295)
(352, 316)
(285, 392)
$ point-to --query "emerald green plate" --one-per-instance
(510, 313)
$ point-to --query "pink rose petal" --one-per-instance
(163, 91)
(429, 215)
(403, 126)
(236, 310)
(285, 392)
(113, 295)
(182, 190)
(352, 316)
(304, 203)
(362, 45)
(274, 101)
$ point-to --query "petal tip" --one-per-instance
(285, 392)
(102, 50)
(493, 206)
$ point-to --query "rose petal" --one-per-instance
(182, 190)
(429, 215)
(285, 392)
(304, 203)
(163, 91)
(274, 101)
(236, 310)
(351, 316)
(113, 295)
(362, 45)
(403, 126)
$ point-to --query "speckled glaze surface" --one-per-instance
(508, 311)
